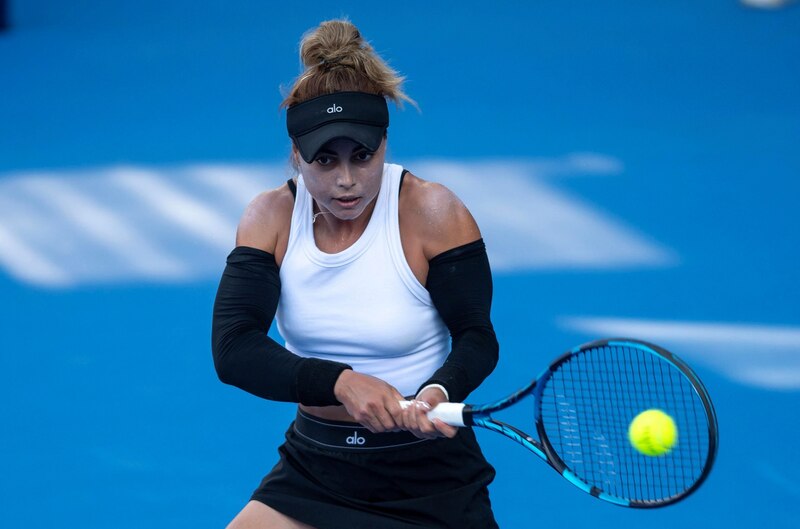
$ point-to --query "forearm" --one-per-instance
(460, 285)
(244, 356)
(473, 357)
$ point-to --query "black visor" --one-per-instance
(358, 116)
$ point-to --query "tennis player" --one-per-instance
(382, 290)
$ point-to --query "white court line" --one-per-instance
(105, 226)
(177, 207)
(240, 184)
(531, 225)
(758, 355)
(690, 331)
(29, 265)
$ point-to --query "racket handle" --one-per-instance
(451, 413)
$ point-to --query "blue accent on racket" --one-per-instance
(583, 404)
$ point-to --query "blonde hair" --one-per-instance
(336, 58)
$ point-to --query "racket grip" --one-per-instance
(451, 413)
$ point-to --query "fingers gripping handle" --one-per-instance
(448, 412)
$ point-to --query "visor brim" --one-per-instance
(310, 143)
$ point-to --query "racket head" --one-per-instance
(585, 402)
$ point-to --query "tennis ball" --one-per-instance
(653, 433)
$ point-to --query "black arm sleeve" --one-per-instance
(244, 356)
(460, 285)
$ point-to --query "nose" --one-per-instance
(345, 177)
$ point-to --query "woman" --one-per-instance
(372, 273)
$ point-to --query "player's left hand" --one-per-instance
(415, 418)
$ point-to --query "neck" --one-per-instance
(333, 234)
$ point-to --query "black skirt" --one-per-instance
(339, 475)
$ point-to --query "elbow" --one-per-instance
(223, 362)
(224, 372)
(493, 352)
(228, 372)
(487, 338)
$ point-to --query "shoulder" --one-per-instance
(435, 216)
(266, 220)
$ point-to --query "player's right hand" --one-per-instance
(370, 401)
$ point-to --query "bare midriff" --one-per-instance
(331, 413)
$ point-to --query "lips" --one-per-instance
(348, 201)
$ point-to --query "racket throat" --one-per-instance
(467, 415)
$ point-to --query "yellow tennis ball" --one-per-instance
(653, 433)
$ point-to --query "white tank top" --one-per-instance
(362, 306)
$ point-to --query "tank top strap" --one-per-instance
(395, 242)
(300, 213)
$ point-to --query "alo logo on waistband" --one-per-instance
(334, 109)
(355, 439)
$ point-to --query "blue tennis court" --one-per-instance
(633, 166)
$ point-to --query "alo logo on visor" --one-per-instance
(334, 109)
(355, 439)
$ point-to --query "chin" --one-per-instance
(349, 215)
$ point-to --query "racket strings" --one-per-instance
(588, 404)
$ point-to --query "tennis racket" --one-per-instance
(584, 403)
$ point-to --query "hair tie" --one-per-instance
(329, 64)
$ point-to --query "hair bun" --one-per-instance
(336, 58)
(333, 42)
